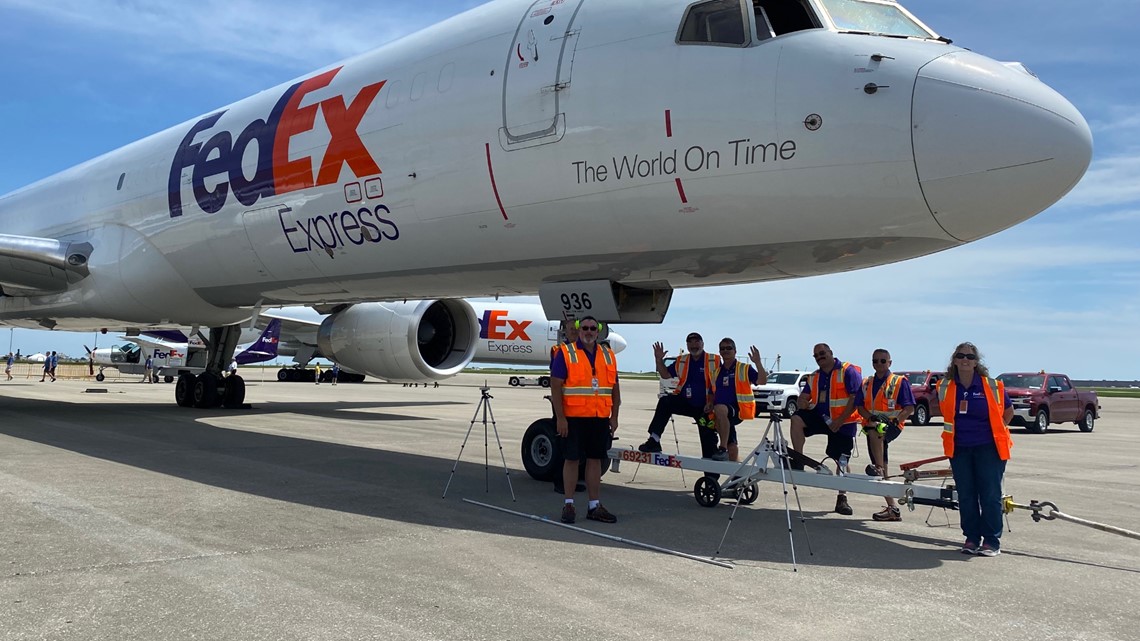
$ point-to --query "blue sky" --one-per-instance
(1061, 292)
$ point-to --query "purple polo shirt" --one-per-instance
(852, 382)
(693, 390)
(725, 384)
(558, 363)
(905, 397)
(972, 428)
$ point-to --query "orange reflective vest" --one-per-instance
(837, 393)
(995, 399)
(745, 398)
(712, 364)
(887, 401)
(580, 397)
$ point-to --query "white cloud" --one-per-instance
(1109, 181)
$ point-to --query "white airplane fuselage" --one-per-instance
(487, 154)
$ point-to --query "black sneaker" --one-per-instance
(600, 513)
(842, 507)
(650, 445)
(721, 455)
(568, 513)
(873, 470)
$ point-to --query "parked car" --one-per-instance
(781, 393)
(924, 387)
(1041, 398)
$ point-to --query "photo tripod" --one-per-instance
(772, 452)
(484, 406)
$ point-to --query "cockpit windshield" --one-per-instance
(879, 17)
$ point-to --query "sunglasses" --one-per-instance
(969, 357)
(881, 361)
(589, 328)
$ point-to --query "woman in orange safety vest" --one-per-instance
(975, 435)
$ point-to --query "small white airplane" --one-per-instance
(168, 350)
(597, 153)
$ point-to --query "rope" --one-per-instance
(1047, 510)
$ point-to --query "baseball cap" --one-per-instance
(693, 336)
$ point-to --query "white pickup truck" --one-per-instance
(781, 393)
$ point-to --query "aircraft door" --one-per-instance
(291, 245)
(538, 68)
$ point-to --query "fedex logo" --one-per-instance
(161, 355)
(664, 460)
(219, 158)
(493, 323)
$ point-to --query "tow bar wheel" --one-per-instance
(707, 492)
(749, 493)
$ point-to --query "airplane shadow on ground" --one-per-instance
(407, 487)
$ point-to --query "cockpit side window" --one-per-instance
(715, 22)
(784, 16)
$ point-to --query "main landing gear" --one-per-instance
(210, 389)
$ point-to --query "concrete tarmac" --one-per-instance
(318, 515)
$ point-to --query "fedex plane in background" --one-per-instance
(509, 333)
(597, 153)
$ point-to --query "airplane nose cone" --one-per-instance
(993, 145)
(617, 343)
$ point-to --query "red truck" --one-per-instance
(924, 387)
(1041, 398)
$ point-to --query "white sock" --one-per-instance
(569, 501)
(655, 437)
(594, 504)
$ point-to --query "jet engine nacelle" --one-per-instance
(414, 342)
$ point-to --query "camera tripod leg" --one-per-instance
(483, 407)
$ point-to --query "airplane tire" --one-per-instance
(100, 377)
(184, 390)
(542, 452)
(233, 397)
(206, 391)
(168, 379)
(283, 375)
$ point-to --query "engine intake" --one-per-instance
(413, 342)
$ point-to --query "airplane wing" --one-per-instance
(151, 342)
(30, 265)
(295, 320)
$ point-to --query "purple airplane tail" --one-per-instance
(264, 348)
